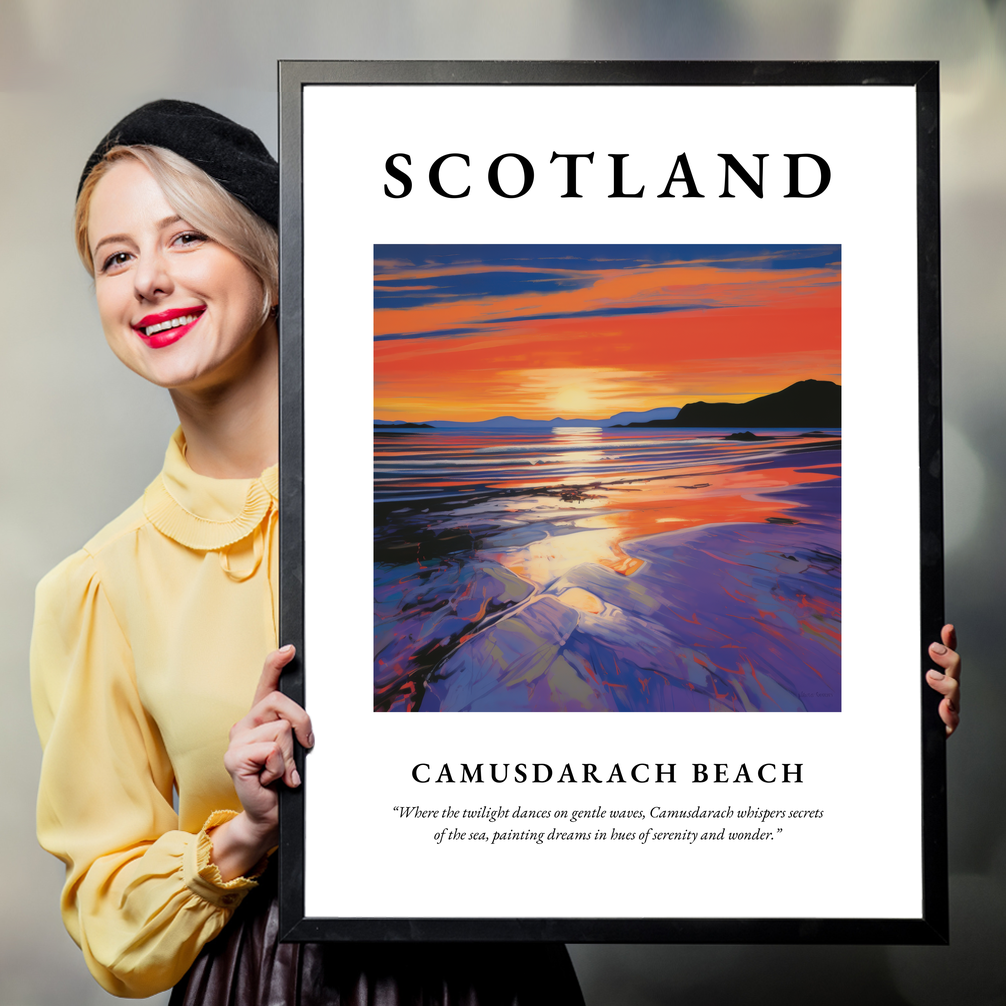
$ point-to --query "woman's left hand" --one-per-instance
(947, 682)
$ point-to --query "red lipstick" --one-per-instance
(166, 327)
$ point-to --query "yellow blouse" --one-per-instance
(147, 647)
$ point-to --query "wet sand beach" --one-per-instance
(607, 569)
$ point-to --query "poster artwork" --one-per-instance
(607, 478)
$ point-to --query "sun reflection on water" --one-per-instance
(624, 505)
(579, 492)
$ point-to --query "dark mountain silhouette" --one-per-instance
(806, 404)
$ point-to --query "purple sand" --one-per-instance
(731, 617)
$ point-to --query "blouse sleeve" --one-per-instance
(141, 898)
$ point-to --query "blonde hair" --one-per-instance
(199, 200)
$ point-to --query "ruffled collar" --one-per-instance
(203, 513)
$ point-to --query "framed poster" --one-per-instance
(610, 402)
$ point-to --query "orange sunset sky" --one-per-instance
(471, 332)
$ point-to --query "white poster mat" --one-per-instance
(860, 767)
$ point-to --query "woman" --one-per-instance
(148, 643)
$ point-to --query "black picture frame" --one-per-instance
(931, 925)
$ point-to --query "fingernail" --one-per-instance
(295, 777)
(310, 740)
(938, 648)
(287, 649)
(936, 675)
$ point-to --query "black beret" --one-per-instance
(231, 154)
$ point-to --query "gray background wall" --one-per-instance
(82, 437)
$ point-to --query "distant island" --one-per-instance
(806, 403)
(513, 423)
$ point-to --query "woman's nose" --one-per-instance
(152, 277)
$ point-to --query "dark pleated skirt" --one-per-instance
(246, 965)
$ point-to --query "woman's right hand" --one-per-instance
(260, 753)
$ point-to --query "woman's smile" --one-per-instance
(166, 327)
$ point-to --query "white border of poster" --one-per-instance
(844, 837)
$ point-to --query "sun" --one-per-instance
(571, 400)
(570, 392)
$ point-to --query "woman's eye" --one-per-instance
(190, 238)
(114, 261)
